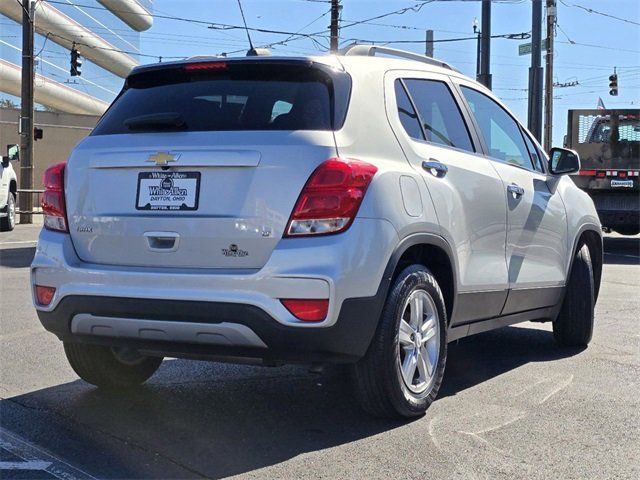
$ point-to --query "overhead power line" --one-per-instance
(596, 12)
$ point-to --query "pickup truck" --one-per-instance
(608, 142)
(8, 189)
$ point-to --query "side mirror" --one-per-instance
(13, 153)
(563, 161)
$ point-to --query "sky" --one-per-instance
(588, 45)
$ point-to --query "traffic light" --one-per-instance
(613, 84)
(76, 63)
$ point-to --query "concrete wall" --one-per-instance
(62, 131)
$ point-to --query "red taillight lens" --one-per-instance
(331, 198)
(44, 295)
(307, 310)
(587, 173)
(53, 206)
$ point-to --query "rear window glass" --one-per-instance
(237, 97)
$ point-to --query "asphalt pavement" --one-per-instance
(513, 405)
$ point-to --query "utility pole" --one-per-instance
(535, 72)
(478, 35)
(548, 92)
(428, 50)
(335, 16)
(485, 48)
(26, 112)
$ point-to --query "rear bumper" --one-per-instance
(212, 330)
(186, 312)
(617, 209)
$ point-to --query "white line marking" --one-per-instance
(29, 465)
(19, 242)
(32, 453)
(559, 387)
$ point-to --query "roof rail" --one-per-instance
(371, 50)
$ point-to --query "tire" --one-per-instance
(381, 387)
(628, 230)
(574, 325)
(103, 367)
(8, 223)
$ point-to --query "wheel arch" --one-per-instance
(435, 253)
(591, 236)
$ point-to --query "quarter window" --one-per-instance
(501, 132)
(440, 116)
(407, 114)
(535, 154)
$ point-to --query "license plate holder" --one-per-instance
(168, 191)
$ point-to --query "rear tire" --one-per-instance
(574, 325)
(108, 368)
(9, 222)
(401, 373)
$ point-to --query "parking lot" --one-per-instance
(513, 405)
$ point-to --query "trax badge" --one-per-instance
(162, 159)
(234, 251)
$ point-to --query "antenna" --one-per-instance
(252, 51)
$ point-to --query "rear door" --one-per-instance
(537, 240)
(466, 191)
(200, 165)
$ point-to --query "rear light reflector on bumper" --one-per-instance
(44, 295)
(52, 203)
(307, 310)
(331, 198)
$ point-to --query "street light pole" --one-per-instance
(548, 104)
(26, 112)
(485, 50)
(535, 72)
(335, 18)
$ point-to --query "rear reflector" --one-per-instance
(44, 295)
(588, 173)
(311, 310)
(331, 198)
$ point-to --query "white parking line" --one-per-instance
(21, 242)
(36, 459)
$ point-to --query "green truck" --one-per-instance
(608, 142)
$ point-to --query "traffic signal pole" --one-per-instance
(548, 93)
(26, 112)
(534, 117)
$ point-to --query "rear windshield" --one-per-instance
(240, 96)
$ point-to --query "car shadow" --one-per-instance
(622, 250)
(16, 257)
(217, 420)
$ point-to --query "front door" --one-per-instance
(536, 246)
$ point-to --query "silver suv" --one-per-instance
(366, 208)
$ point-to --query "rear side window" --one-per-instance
(236, 96)
(440, 116)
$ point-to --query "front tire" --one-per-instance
(110, 368)
(574, 325)
(9, 222)
(401, 373)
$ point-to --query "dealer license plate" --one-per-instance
(168, 191)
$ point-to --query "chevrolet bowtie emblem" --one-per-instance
(163, 158)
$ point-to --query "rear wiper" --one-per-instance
(156, 121)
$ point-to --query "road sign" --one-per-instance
(525, 48)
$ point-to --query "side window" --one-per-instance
(440, 116)
(501, 132)
(533, 151)
(407, 114)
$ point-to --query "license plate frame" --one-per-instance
(168, 191)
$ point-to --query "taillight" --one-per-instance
(53, 206)
(307, 310)
(204, 66)
(331, 198)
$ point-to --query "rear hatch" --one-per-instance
(200, 164)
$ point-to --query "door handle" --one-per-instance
(515, 190)
(435, 168)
